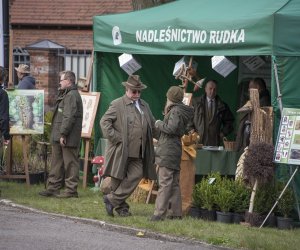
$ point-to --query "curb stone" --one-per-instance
(114, 227)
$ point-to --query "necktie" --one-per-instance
(136, 103)
(210, 108)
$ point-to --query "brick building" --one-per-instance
(56, 35)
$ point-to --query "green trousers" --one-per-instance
(64, 169)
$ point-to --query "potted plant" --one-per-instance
(240, 201)
(224, 198)
(264, 200)
(285, 207)
(204, 196)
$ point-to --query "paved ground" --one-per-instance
(29, 229)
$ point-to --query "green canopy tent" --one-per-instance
(158, 37)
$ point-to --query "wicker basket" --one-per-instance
(229, 145)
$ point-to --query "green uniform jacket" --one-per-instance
(172, 128)
(67, 117)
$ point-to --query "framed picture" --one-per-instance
(187, 98)
(90, 101)
(26, 111)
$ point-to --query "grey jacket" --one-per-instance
(172, 128)
(115, 127)
(67, 117)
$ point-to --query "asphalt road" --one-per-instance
(28, 230)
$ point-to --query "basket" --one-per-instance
(229, 145)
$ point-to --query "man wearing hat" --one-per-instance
(168, 154)
(128, 124)
(25, 80)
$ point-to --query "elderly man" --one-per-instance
(25, 80)
(212, 117)
(65, 139)
(128, 124)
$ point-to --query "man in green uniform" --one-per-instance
(65, 139)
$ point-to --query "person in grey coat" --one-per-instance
(128, 124)
(65, 139)
(168, 154)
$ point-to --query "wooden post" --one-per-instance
(86, 161)
(25, 158)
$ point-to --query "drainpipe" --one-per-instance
(5, 12)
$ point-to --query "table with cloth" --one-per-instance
(221, 161)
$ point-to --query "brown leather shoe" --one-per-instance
(108, 206)
(156, 218)
(66, 195)
(48, 193)
(124, 213)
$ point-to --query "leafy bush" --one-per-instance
(265, 198)
(241, 196)
(204, 191)
(224, 196)
(286, 202)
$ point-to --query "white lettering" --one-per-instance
(162, 35)
(190, 36)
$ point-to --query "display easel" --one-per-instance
(8, 174)
(86, 143)
(90, 102)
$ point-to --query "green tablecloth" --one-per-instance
(222, 161)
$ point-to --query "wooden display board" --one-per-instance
(90, 101)
(26, 111)
(26, 114)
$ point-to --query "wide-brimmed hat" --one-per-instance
(23, 68)
(134, 82)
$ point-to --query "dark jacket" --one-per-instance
(172, 128)
(67, 117)
(115, 127)
(4, 114)
(27, 82)
(222, 121)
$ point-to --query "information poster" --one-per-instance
(288, 139)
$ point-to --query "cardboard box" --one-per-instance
(222, 65)
(184, 62)
(129, 64)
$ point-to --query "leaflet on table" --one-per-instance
(287, 149)
(213, 148)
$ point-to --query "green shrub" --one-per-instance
(224, 195)
(265, 198)
(241, 197)
(286, 202)
(204, 191)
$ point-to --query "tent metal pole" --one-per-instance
(280, 107)
(292, 176)
(278, 87)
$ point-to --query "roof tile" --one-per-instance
(67, 12)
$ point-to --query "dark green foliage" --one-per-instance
(204, 192)
(286, 202)
(241, 197)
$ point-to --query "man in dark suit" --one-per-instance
(212, 117)
(128, 124)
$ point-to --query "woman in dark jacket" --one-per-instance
(168, 154)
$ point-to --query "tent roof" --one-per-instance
(203, 27)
